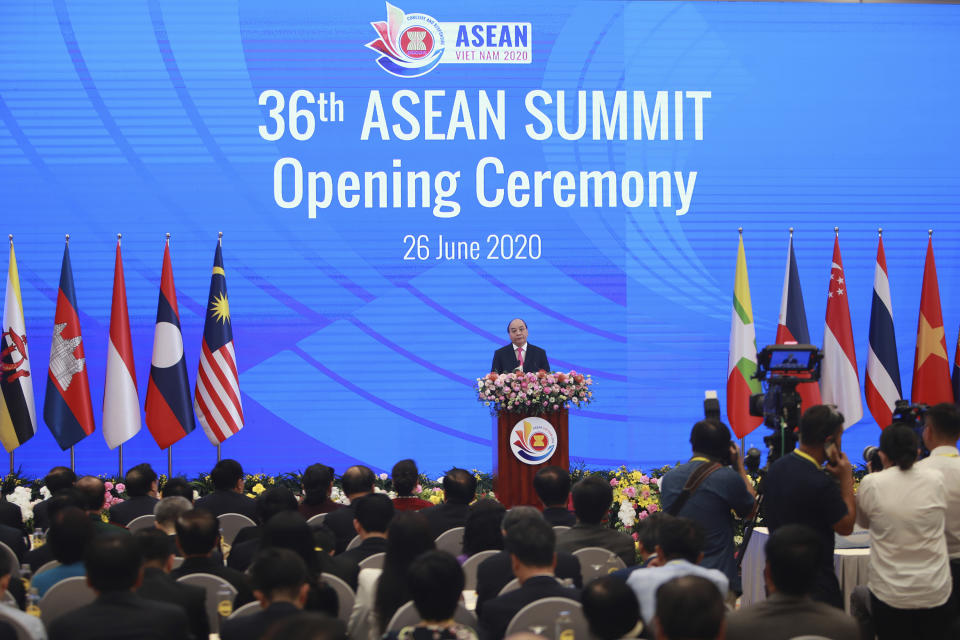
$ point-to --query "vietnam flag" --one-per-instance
(742, 359)
(931, 366)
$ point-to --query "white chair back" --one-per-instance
(373, 562)
(451, 541)
(65, 596)
(14, 560)
(345, 595)
(407, 616)
(141, 522)
(513, 585)
(317, 520)
(22, 632)
(46, 566)
(231, 523)
(560, 527)
(470, 567)
(9, 599)
(540, 617)
(596, 562)
(246, 610)
(177, 561)
(212, 585)
(355, 542)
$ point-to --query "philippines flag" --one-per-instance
(792, 324)
(169, 414)
(840, 380)
(217, 396)
(121, 405)
(883, 368)
(67, 409)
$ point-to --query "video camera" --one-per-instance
(904, 413)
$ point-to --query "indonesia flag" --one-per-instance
(840, 382)
(792, 324)
(67, 408)
(169, 414)
(883, 368)
(217, 396)
(931, 367)
(742, 358)
(121, 405)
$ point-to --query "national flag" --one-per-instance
(882, 386)
(121, 405)
(67, 408)
(18, 417)
(840, 382)
(169, 413)
(956, 371)
(931, 367)
(217, 395)
(742, 359)
(792, 323)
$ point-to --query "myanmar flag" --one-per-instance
(742, 361)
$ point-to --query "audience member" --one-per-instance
(269, 503)
(198, 535)
(280, 585)
(178, 486)
(710, 488)
(68, 538)
(483, 530)
(436, 582)
(406, 478)
(592, 498)
(308, 626)
(356, 481)
(32, 624)
(13, 538)
(459, 490)
(10, 513)
(681, 548)
(904, 506)
(689, 608)
(165, 514)
(648, 537)
(793, 560)
(114, 570)
(57, 479)
(531, 543)
(94, 494)
(141, 483)
(68, 497)
(227, 496)
(552, 485)
(317, 484)
(611, 609)
(371, 517)
(158, 585)
(797, 491)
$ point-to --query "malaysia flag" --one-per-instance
(792, 323)
(840, 380)
(882, 386)
(67, 408)
(168, 407)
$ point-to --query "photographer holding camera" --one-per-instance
(707, 488)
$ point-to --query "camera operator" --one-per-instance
(798, 491)
(707, 488)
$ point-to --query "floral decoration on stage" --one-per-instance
(534, 393)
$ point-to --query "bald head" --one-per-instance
(93, 491)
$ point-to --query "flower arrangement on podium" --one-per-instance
(534, 393)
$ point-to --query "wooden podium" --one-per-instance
(513, 478)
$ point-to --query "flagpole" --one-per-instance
(170, 461)
(10, 236)
(120, 452)
(219, 243)
(218, 453)
(73, 466)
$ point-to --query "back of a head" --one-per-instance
(167, 510)
(357, 479)
(592, 497)
(307, 625)
(518, 514)
(711, 438)
(139, 480)
(153, 544)
(405, 477)
(70, 534)
(197, 532)
(6, 566)
(278, 573)
(945, 419)
(899, 443)
(532, 542)
(794, 556)
(273, 501)
(459, 486)
(289, 530)
(93, 491)
(482, 530)
(66, 497)
(113, 562)
(59, 478)
(689, 608)
(552, 485)
(610, 607)
(316, 482)
(436, 582)
(225, 474)
(818, 423)
(682, 538)
(648, 531)
(178, 486)
(374, 512)
(408, 536)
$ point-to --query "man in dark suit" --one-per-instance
(69, 497)
(519, 353)
(227, 496)
(94, 492)
(158, 585)
(691, 607)
(269, 503)
(531, 543)
(552, 485)
(356, 481)
(141, 482)
(166, 513)
(280, 584)
(114, 569)
(56, 480)
(198, 534)
(592, 498)
(459, 490)
(10, 514)
(371, 517)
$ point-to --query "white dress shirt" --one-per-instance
(905, 512)
(645, 583)
(946, 460)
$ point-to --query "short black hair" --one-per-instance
(113, 562)
(711, 438)
(316, 481)
(273, 501)
(93, 491)
(552, 485)
(436, 582)
(5, 565)
(794, 555)
(225, 474)
(482, 530)
(70, 533)
(59, 478)
(374, 512)
(405, 476)
(67, 497)
(610, 607)
(357, 479)
(690, 607)
(308, 625)
(197, 532)
(945, 419)
(648, 531)
(899, 443)
(277, 571)
(459, 486)
(532, 541)
(178, 486)
(592, 497)
(139, 479)
(818, 423)
(682, 538)
(153, 543)
(519, 513)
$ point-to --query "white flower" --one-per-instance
(628, 513)
(384, 476)
(196, 495)
(44, 492)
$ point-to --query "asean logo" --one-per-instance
(533, 440)
(409, 45)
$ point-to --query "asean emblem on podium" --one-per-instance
(533, 440)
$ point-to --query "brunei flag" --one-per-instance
(742, 360)
(168, 406)
(67, 409)
(18, 418)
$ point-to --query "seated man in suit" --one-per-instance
(94, 494)
(34, 626)
(165, 514)
(227, 496)
(531, 544)
(114, 570)
(459, 490)
(198, 535)
(69, 497)
(70, 535)
(592, 498)
(356, 481)
(178, 486)
(269, 503)
(552, 485)
(611, 609)
(158, 585)
(280, 585)
(57, 479)
(371, 517)
(317, 484)
(141, 482)
(519, 354)
(690, 607)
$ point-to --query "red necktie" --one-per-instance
(519, 357)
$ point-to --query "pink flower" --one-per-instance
(645, 493)
(644, 479)
(121, 487)
(635, 536)
(643, 515)
(418, 489)
(630, 492)
(653, 508)
(614, 482)
(108, 485)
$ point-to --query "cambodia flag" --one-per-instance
(67, 409)
(792, 323)
(169, 407)
(883, 367)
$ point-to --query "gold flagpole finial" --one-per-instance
(740, 230)
(880, 231)
(168, 237)
(791, 232)
(119, 235)
(929, 233)
(67, 237)
(10, 236)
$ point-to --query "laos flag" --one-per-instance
(67, 409)
(169, 406)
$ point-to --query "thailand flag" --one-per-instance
(840, 384)
(67, 408)
(169, 407)
(883, 369)
(792, 324)
(121, 405)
